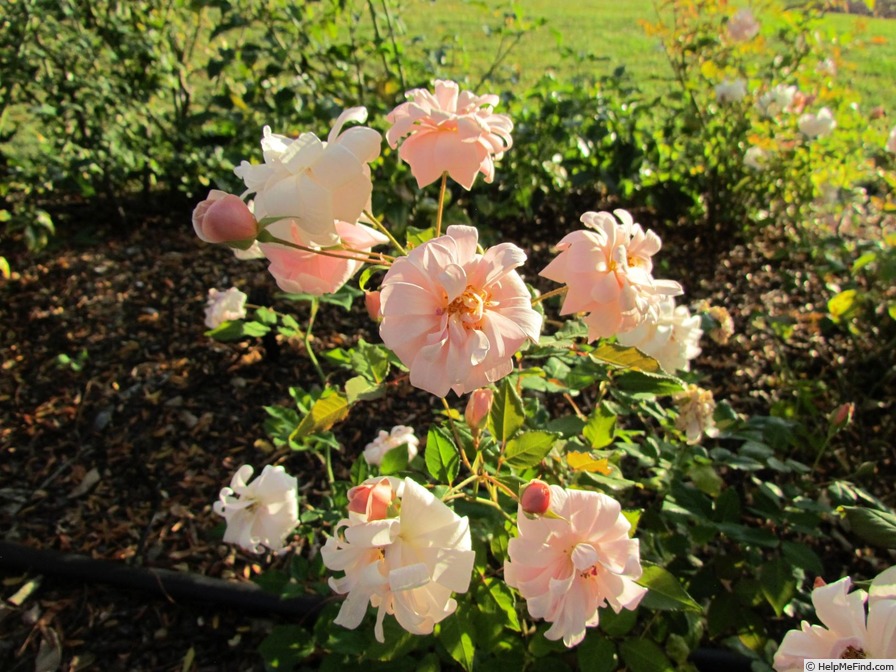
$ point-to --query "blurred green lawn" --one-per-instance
(609, 30)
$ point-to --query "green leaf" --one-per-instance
(597, 654)
(415, 236)
(235, 330)
(359, 388)
(507, 415)
(395, 460)
(286, 647)
(803, 557)
(495, 597)
(528, 449)
(456, 634)
(266, 315)
(666, 593)
(778, 584)
(622, 357)
(640, 382)
(875, 527)
(441, 456)
(642, 655)
(330, 408)
(601, 427)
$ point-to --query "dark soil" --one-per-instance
(120, 456)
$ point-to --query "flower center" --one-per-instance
(470, 307)
(852, 653)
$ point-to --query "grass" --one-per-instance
(464, 37)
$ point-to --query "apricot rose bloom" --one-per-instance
(311, 184)
(455, 317)
(402, 551)
(608, 272)
(298, 271)
(848, 631)
(262, 512)
(449, 131)
(570, 564)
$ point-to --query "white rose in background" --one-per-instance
(403, 551)
(261, 513)
(672, 340)
(891, 141)
(376, 450)
(779, 99)
(755, 158)
(224, 306)
(731, 91)
(817, 125)
(311, 183)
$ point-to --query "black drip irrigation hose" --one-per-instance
(169, 584)
(174, 585)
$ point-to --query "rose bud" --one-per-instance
(224, 218)
(536, 498)
(372, 303)
(371, 499)
(478, 407)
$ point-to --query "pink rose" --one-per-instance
(297, 271)
(406, 563)
(608, 273)
(855, 624)
(224, 218)
(568, 565)
(450, 131)
(454, 317)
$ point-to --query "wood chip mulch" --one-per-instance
(120, 422)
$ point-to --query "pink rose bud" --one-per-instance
(536, 498)
(372, 303)
(819, 582)
(478, 408)
(842, 415)
(224, 218)
(371, 499)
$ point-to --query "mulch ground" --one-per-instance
(118, 451)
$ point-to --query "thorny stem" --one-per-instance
(551, 294)
(460, 446)
(507, 491)
(372, 258)
(378, 224)
(315, 304)
(441, 204)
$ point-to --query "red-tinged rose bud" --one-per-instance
(478, 407)
(224, 218)
(371, 499)
(536, 498)
(878, 112)
(819, 582)
(842, 416)
(372, 303)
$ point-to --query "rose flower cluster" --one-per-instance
(456, 315)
